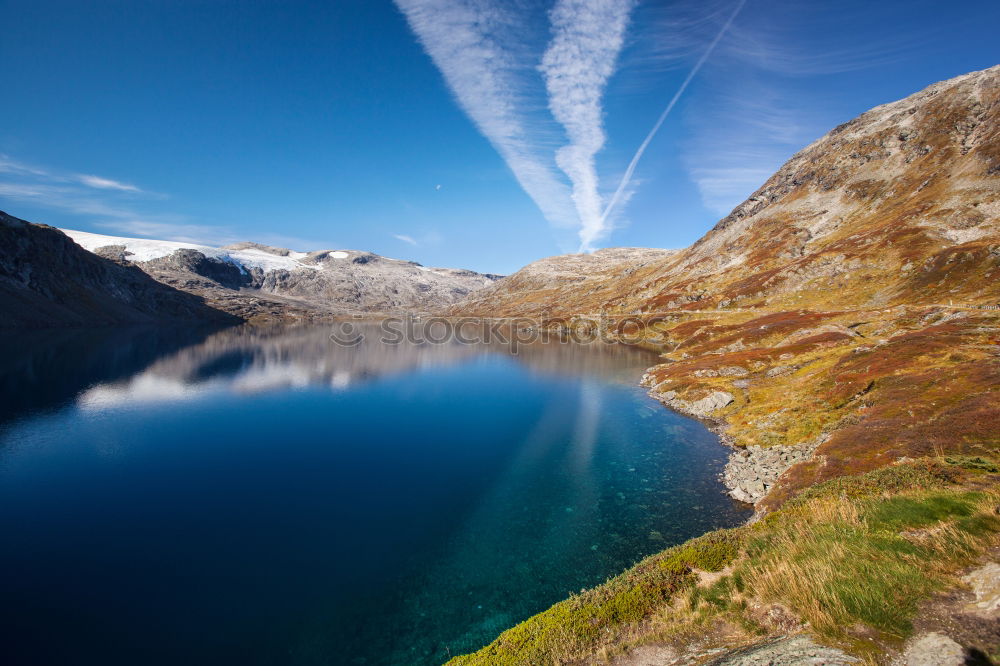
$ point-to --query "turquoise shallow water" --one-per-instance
(267, 497)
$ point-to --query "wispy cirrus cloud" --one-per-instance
(760, 106)
(107, 204)
(744, 138)
(502, 83)
(106, 183)
(474, 43)
(406, 239)
(587, 37)
(14, 167)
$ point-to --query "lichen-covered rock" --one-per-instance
(933, 649)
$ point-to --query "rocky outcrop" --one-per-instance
(223, 273)
(752, 471)
(790, 651)
(48, 280)
(701, 408)
(985, 584)
(934, 649)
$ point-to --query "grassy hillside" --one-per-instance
(852, 560)
(847, 309)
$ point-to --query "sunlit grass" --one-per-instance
(851, 560)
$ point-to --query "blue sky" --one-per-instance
(331, 124)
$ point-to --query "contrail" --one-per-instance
(587, 36)
(468, 40)
(666, 112)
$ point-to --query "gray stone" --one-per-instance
(934, 649)
(752, 471)
(792, 651)
(699, 408)
(710, 403)
(985, 583)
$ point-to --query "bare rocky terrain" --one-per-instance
(48, 280)
(260, 283)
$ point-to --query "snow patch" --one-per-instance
(145, 249)
(142, 249)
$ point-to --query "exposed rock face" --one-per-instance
(48, 280)
(263, 283)
(222, 272)
(933, 649)
(985, 584)
(366, 282)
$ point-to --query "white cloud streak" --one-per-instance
(13, 167)
(108, 203)
(587, 36)
(470, 43)
(405, 239)
(630, 170)
(106, 183)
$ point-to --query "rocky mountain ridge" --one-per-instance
(261, 283)
(48, 280)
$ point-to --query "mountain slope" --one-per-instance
(841, 330)
(565, 284)
(261, 282)
(48, 280)
(899, 206)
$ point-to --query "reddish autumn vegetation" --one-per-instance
(841, 303)
(847, 309)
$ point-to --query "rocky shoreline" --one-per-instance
(751, 471)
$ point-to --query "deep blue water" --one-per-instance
(267, 497)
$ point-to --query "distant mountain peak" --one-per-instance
(324, 282)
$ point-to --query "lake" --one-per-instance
(266, 496)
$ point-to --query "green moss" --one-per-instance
(899, 513)
(977, 463)
(712, 552)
